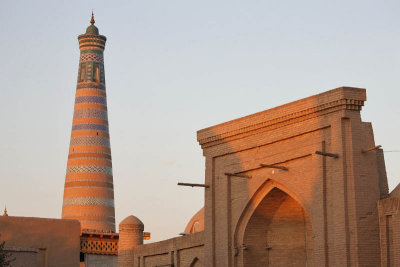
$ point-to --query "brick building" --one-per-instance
(302, 184)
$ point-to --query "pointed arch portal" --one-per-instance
(278, 233)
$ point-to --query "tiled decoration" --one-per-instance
(90, 126)
(90, 140)
(91, 99)
(87, 57)
(89, 169)
(90, 113)
(109, 202)
(90, 106)
(89, 215)
(103, 246)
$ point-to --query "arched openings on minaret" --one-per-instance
(96, 73)
(91, 72)
(82, 73)
(102, 80)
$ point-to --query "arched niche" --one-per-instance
(274, 230)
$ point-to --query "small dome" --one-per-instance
(92, 30)
(131, 220)
(196, 224)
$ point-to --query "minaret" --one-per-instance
(88, 190)
(5, 212)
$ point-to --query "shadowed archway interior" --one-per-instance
(279, 233)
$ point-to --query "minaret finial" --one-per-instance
(5, 211)
(92, 20)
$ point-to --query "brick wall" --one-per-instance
(389, 224)
(181, 251)
(339, 194)
(55, 242)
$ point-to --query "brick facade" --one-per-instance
(41, 242)
(317, 210)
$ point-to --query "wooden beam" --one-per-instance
(371, 148)
(238, 175)
(274, 167)
(326, 154)
(194, 185)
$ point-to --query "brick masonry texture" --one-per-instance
(185, 251)
(91, 99)
(88, 192)
(321, 211)
(85, 57)
(55, 241)
(90, 113)
(90, 126)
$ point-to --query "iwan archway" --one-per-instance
(278, 233)
(296, 185)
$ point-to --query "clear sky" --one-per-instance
(172, 68)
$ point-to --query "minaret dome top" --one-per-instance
(92, 29)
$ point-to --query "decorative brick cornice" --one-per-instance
(343, 98)
(90, 85)
(91, 41)
(99, 243)
(129, 227)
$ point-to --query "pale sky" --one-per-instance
(172, 68)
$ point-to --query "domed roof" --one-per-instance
(131, 220)
(196, 224)
(92, 30)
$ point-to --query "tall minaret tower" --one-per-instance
(88, 190)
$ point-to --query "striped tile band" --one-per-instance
(90, 113)
(90, 126)
(88, 215)
(91, 100)
(87, 180)
(91, 57)
(99, 187)
(90, 141)
(109, 202)
(112, 223)
(89, 169)
(90, 85)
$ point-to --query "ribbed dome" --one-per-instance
(131, 220)
(92, 30)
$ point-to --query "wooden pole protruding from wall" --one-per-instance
(326, 154)
(371, 149)
(238, 175)
(194, 185)
(274, 167)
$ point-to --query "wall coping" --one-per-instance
(21, 249)
(165, 246)
(341, 98)
(29, 220)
